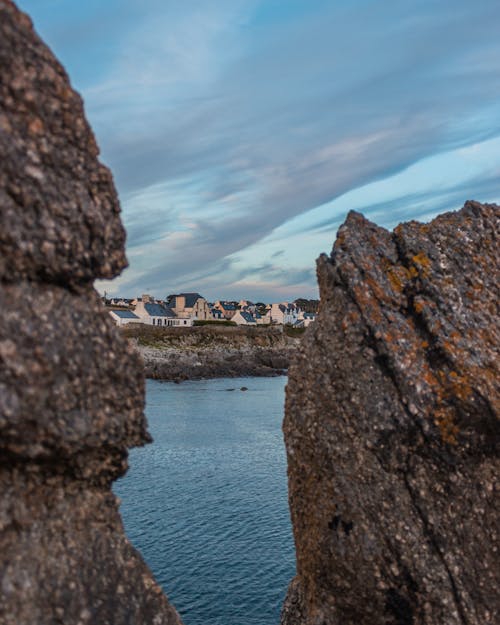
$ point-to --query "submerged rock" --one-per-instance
(71, 388)
(391, 428)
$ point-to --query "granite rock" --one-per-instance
(392, 431)
(71, 387)
(60, 213)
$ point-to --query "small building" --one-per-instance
(217, 314)
(123, 317)
(243, 318)
(155, 314)
(262, 319)
(284, 313)
(228, 309)
(305, 319)
(190, 306)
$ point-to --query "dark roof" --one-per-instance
(125, 314)
(247, 317)
(157, 310)
(228, 306)
(190, 298)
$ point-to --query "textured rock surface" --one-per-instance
(69, 229)
(391, 428)
(71, 389)
(212, 351)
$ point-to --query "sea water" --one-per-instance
(206, 503)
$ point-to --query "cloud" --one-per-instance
(238, 121)
(425, 204)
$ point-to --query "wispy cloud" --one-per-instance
(222, 121)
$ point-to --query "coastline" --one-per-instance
(204, 352)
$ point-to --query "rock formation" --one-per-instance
(71, 389)
(212, 351)
(391, 428)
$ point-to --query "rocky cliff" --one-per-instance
(71, 389)
(392, 429)
(212, 351)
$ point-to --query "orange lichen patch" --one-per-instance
(429, 378)
(422, 263)
(424, 344)
(376, 288)
(368, 303)
(460, 387)
(443, 419)
(397, 276)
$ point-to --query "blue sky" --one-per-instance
(241, 132)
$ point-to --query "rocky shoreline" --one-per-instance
(179, 354)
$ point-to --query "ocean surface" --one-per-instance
(206, 503)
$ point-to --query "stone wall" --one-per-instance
(392, 428)
(71, 389)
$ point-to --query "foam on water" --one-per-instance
(206, 503)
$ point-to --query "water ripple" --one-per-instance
(206, 503)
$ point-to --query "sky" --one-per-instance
(241, 132)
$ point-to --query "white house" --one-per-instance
(243, 318)
(123, 317)
(305, 319)
(156, 314)
(284, 313)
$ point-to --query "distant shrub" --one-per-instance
(291, 331)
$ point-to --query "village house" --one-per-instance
(184, 308)
(243, 318)
(152, 313)
(246, 304)
(119, 301)
(284, 313)
(217, 314)
(228, 309)
(262, 319)
(124, 317)
(305, 319)
(189, 306)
